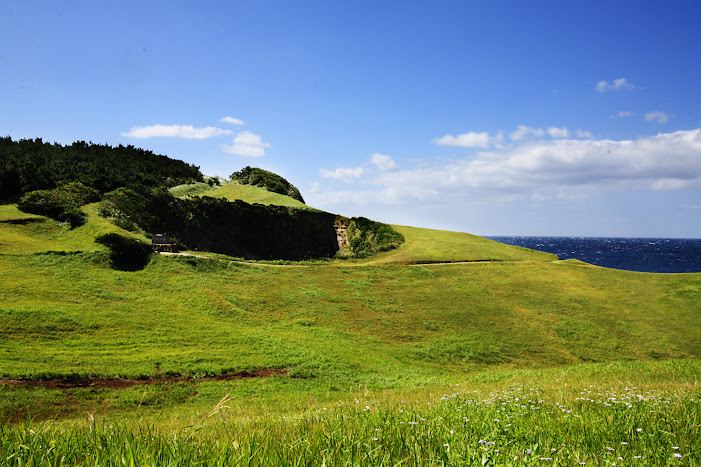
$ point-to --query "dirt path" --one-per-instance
(436, 263)
(168, 253)
(118, 383)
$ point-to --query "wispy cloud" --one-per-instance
(558, 132)
(382, 162)
(247, 144)
(656, 116)
(378, 163)
(618, 84)
(622, 114)
(466, 140)
(524, 131)
(175, 131)
(232, 120)
(562, 168)
(344, 174)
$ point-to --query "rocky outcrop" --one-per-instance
(341, 226)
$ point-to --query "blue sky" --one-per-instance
(494, 118)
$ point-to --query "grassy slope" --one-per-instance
(68, 314)
(427, 246)
(341, 323)
(41, 234)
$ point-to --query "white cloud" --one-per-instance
(670, 184)
(623, 114)
(467, 140)
(344, 174)
(656, 116)
(247, 144)
(558, 132)
(620, 83)
(583, 134)
(174, 131)
(524, 131)
(498, 138)
(383, 162)
(559, 169)
(232, 120)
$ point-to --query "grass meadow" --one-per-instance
(592, 414)
(451, 350)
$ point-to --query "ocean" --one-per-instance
(668, 255)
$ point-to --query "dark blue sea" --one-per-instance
(631, 254)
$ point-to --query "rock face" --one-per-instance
(341, 226)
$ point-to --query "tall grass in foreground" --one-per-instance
(518, 424)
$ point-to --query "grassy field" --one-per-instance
(591, 414)
(381, 360)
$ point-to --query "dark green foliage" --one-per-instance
(153, 211)
(29, 165)
(236, 228)
(244, 230)
(62, 203)
(268, 180)
(367, 237)
(80, 193)
(126, 254)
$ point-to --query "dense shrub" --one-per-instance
(80, 193)
(366, 237)
(62, 203)
(126, 254)
(268, 180)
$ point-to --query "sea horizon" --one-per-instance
(640, 254)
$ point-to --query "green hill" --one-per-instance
(232, 191)
(165, 364)
(422, 353)
(387, 318)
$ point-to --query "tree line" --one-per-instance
(31, 164)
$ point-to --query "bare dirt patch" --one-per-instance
(119, 383)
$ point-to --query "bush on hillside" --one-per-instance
(268, 180)
(126, 254)
(62, 203)
(366, 237)
(80, 193)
